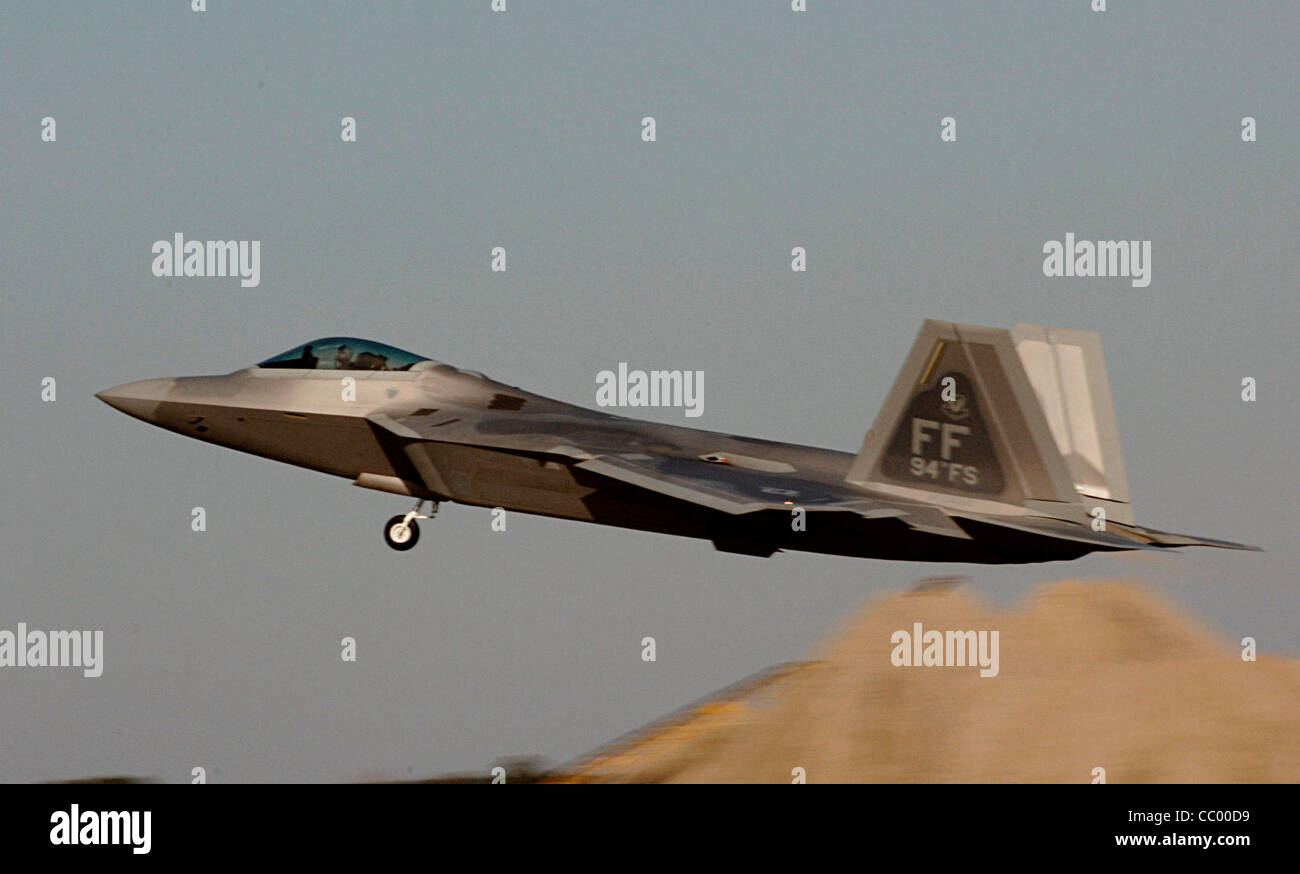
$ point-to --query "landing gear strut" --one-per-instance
(401, 532)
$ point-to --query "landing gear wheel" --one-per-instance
(401, 534)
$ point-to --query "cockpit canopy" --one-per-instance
(344, 353)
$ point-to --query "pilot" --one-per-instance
(343, 358)
(308, 360)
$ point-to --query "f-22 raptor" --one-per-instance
(993, 446)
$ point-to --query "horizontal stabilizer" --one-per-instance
(1059, 530)
(1167, 540)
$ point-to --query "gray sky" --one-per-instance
(522, 129)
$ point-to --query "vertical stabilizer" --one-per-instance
(963, 426)
(1068, 373)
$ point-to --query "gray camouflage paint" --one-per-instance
(988, 486)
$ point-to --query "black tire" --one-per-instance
(399, 545)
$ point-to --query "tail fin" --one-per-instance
(1068, 374)
(1021, 418)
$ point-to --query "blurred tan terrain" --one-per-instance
(1091, 674)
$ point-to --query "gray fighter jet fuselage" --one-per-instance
(937, 480)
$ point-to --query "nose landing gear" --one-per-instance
(401, 532)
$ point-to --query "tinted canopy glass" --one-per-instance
(344, 353)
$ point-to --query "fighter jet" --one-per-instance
(993, 446)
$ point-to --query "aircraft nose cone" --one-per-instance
(138, 399)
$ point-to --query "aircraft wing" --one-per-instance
(637, 457)
(730, 489)
(738, 490)
(572, 436)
